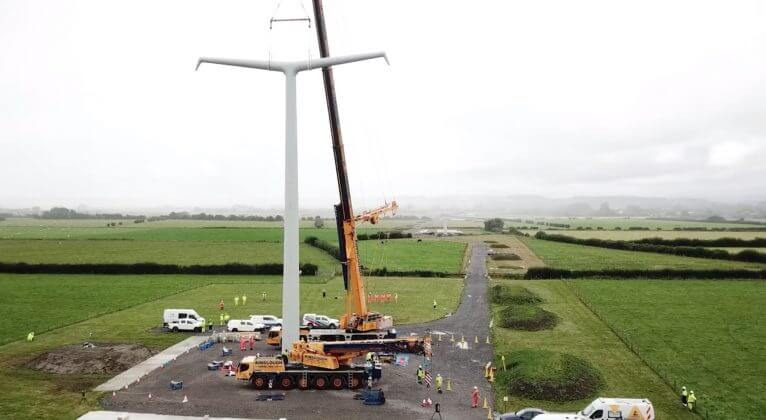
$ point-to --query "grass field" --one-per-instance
(409, 254)
(400, 254)
(583, 335)
(43, 298)
(167, 252)
(158, 233)
(707, 335)
(630, 235)
(580, 257)
(625, 223)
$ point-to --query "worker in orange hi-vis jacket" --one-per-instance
(220, 305)
(475, 397)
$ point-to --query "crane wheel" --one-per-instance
(356, 382)
(259, 381)
(336, 382)
(320, 382)
(286, 382)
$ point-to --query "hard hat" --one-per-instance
(692, 392)
(476, 387)
(420, 366)
(683, 387)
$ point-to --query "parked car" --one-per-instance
(244, 325)
(186, 325)
(267, 320)
(525, 414)
(320, 321)
(171, 315)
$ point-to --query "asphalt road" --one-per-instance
(211, 393)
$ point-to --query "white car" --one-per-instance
(186, 325)
(267, 320)
(320, 321)
(235, 325)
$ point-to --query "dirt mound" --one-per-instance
(91, 358)
(527, 318)
(504, 294)
(550, 376)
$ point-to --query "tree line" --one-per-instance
(307, 269)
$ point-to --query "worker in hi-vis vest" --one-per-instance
(220, 316)
(692, 400)
(684, 396)
(244, 299)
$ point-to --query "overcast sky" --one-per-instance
(100, 104)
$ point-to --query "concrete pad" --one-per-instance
(124, 415)
(147, 366)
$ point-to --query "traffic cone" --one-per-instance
(476, 339)
(150, 395)
(452, 339)
(462, 339)
(503, 359)
(440, 337)
(489, 414)
(485, 405)
(492, 374)
(487, 340)
(187, 400)
(449, 384)
(114, 394)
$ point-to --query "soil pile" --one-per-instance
(527, 318)
(91, 358)
(549, 376)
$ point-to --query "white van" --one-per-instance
(619, 408)
(608, 409)
(172, 315)
(235, 325)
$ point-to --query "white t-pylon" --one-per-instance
(290, 284)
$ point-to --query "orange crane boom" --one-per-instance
(357, 317)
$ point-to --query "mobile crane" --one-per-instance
(357, 318)
(322, 365)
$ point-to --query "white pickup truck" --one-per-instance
(320, 321)
(267, 320)
(247, 325)
(186, 325)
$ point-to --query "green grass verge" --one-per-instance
(58, 396)
(579, 257)
(582, 334)
(706, 335)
